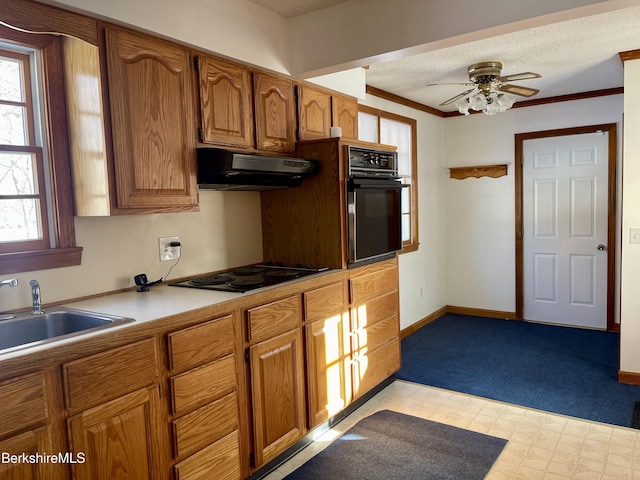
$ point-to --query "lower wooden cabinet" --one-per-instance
(32, 442)
(31, 423)
(220, 460)
(277, 390)
(205, 399)
(121, 438)
(218, 399)
(375, 325)
(328, 352)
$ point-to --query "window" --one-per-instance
(36, 215)
(382, 127)
(22, 188)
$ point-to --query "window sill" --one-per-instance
(40, 259)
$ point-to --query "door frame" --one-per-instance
(520, 138)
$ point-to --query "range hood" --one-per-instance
(220, 169)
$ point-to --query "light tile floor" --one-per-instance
(541, 446)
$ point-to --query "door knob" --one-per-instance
(600, 247)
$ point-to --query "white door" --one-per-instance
(565, 229)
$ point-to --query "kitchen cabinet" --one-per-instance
(276, 366)
(116, 414)
(152, 123)
(244, 108)
(344, 111)
(308, 224)
(274, 103)
(226, 109)
(205, 398)
(31, 423)
(319, 110)
(314, 113)
(375, 324)
(328, 352)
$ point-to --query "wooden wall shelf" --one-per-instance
(493, 171)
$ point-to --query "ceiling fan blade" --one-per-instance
(436, 84)
(519, 76)
(457, 97)
(518, 90)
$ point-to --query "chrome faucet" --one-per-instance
(35, 295)
(11, 282)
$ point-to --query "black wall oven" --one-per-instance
(374, 212)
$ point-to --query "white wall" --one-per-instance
(227, 232)
(422, 273)
(630, 301)
(480, 213)
(235, 28)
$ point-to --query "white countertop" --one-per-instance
(160, 301)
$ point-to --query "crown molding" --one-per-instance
(526, 103)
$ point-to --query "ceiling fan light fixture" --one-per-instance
(463, 106)
(489, 89)
(478, 101)
(505, 102)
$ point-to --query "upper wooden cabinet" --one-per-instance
(274, 112)
(345, 115)
(152, 123)
(319, 110)
(226, 111)
(314, 113)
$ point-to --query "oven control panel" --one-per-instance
(372, 162)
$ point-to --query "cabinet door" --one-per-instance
(152, 122)
(274, 112)
(36, 441)
(277, 381)
(345, 116)
(314, 113)
(328, 368)
(226, 111)
(124, 438)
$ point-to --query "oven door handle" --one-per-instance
(375, 184)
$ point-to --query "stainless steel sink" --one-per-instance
(26, 330)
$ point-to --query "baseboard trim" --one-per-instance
(479, 312)
(474, 312)
(631, 378)
(421, 323)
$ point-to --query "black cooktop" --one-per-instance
(247, 278)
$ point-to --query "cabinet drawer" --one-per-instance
(220, 460)
(323, 302)
(374, 367)
(269, 320)
(376, 309)
(205, 425)
(202, 343)
(203, 384)
(93, 380)
(372, 285)
(23, 402)
(375, 335)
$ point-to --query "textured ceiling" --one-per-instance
(574, 56)
(293, 8)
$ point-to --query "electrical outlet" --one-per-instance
(634, 235)
(167, 251)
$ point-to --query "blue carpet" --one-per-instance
(557, 369)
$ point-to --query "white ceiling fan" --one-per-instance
(490, 89)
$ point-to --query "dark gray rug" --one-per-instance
(390, 445)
